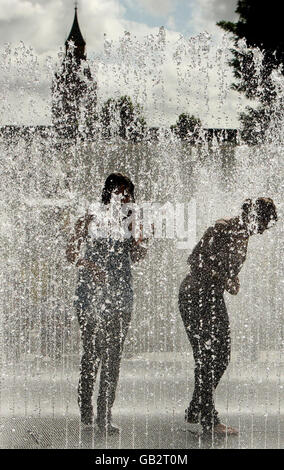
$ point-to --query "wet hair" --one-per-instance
(264, 209)
(114, 181)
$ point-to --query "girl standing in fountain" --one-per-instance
(104, 296)
(214, 266)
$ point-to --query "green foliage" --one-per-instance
(121, 117)
(254, 125)
(187, 127)
(260, 25)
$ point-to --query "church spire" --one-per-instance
(74, 91)
(76, 37)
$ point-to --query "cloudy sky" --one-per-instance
(182, 68)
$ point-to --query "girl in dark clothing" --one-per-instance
(104, 298)
(214, 266)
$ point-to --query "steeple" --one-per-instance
(74, 91)
(76, 37)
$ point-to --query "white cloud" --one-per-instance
(158, 7)
(13, 9)
(206, 13)
(171, 24)
(46, 25)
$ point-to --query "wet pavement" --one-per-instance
(161, 432)
(39, 407)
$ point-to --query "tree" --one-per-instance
(121, 117)
(260, 25)
(187, 127)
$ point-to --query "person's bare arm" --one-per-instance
(233, 253)
(218, 254)
(74, 245)
(233, 286)
(138, 251)
(76, 240)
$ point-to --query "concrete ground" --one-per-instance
(39, 406)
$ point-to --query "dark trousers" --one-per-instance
(102, 345)
(205, 318)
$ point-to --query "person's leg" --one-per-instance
(193, 412)
(222, 350)
(90, 361)
(214, 354)
(200, 311)
(222, 337)
(189, 306)
(111, 352)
